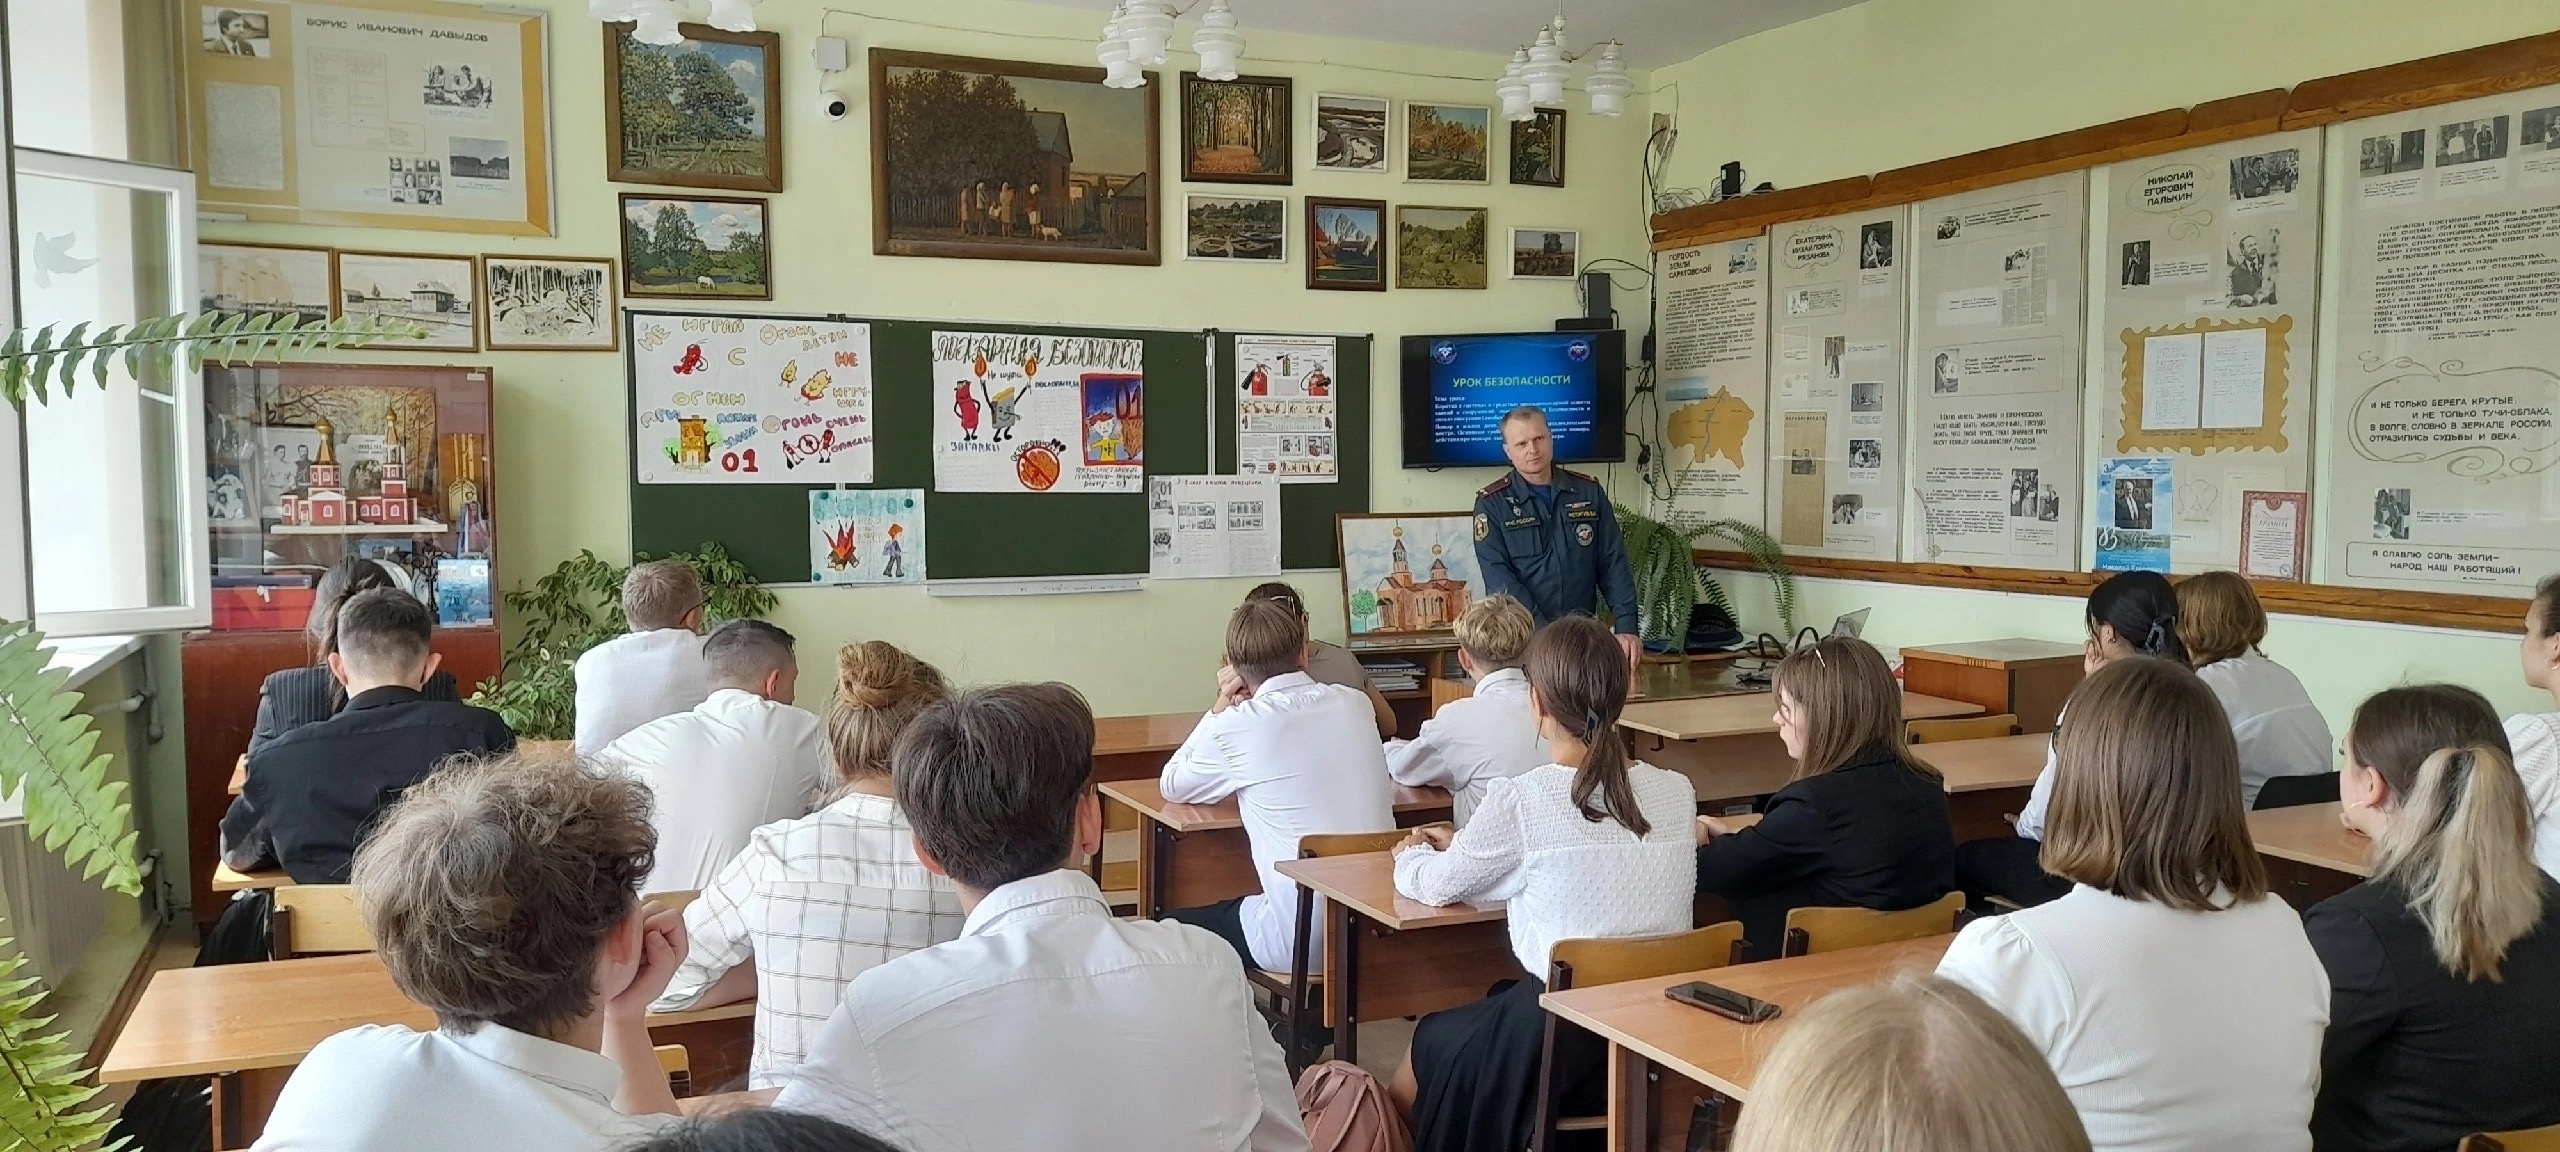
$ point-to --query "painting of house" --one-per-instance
(1406, 576)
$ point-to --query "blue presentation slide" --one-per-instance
(1477, 379)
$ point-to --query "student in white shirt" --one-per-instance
(504, 896)
(761, 1130)
(2279, 729)
(741, 759)
(1326, 663)
(1298, 756)
(1592, 846)
(655, 669)
(811, 903)
(2178, 1002)
(1491, 734)
(1050, 1023)
(2536, 736)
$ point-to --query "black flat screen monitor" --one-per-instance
(1456, 390)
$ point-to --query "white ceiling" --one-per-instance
(1656, 32)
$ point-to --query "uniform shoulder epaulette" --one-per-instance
(1494, 489)
(1583, 476)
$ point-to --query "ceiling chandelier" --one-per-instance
(1538, 72)
(1140, 31)
(657, 19)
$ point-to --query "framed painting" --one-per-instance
(1440, 247)
(1346, 244)
(1002, 160)
(1406, 576)
(1235, 229)
(1351, 133)
(1447, 143)
(437, 293)
(1235, 131)
(696, 247)
(248, 279)
(703, 113)
(549, 304)
(1543, 253)
(1537, 149)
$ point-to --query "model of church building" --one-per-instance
(324, 499)
(1409, 605)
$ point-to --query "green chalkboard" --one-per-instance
(968, 534)
(1307, 510)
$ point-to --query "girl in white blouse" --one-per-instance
(2536, 736)
(1592, 845)
(2280, 731)
(2180, 1005)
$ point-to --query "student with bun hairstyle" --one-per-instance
(310, 694)
(1595, 845)
(2179, 1003)
(2536, 736)
(1861, 825)
(2280, 731)
(811, 903)
(2444, 968)
(2129, 614)
(1917, 1063)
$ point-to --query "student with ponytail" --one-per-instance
(1861, 825)
(1595, 845)
(2444, 968)
(2535, 736)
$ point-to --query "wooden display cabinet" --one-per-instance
(2029, 678)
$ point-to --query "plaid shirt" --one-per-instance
(812, 902)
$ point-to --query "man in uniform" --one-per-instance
(1546, 536)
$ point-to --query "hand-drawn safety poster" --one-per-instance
(1014, 412)
(1284, 408)
(866, 536)
(750, 399)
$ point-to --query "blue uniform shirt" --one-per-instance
(1559, 556)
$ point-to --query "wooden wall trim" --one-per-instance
(2510, 66)
(2497, 614)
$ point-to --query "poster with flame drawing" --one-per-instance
(1014, 412)
(866, 536)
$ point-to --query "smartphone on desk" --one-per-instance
(1723, 1002)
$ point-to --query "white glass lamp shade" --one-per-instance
(1111, 47)
(734, 15)
(613, 11)
(1609, 85)
(1547, 69)
(658, 20)
(1514, 91)
(1149, 28)
(1218, 42)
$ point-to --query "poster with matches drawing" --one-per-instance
(750, 399)
(1015, 412)
(866, 536)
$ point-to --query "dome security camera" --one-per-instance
(834, 106)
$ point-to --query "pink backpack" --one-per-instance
(1346, 1110)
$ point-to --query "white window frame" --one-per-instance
(186, 391)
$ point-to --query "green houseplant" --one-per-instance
(1669, 581)
(577, 606)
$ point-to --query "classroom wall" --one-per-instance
(1888, 83)
(562, 418)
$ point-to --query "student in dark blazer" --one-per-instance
(2444, 968)
(310, 694)
(1862, 825)
(313, 792)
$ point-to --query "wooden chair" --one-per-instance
(678, 1066)
(1961, 728)
(1812, 930)
(1591, 963)
(2530, 1140)
(314, 920)
(1295, 986)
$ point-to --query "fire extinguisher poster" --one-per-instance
(1023, 413)
(750, 400)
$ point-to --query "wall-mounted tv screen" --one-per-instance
(1456, 390)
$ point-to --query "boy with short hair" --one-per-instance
(654, 670)
(1050, 1023)
(1490, 735)
(1299, 757)
(504, 895)
(1326, 663)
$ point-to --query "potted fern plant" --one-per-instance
(1669, 582)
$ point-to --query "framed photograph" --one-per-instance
(1536, 254)
(697, 114)
(1447, 143)
(1346, 244)
(229, 31)
(1537, 149)
(248, 279)
(438, 293)
(1002, 160)
(1351, 133)
(1440, 247)
(1235, 131)
(550, 304)
(696, 248)
(1242, 229)
(1406, 576)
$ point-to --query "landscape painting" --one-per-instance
(248, 279)
(1544, 253)
(704, 247)
(1246, 229)
(1235, 131)
(1351, 133)
(1537, 149)
(1446, 143)
(1406, 575)
(550, 304)
(696, 114)
(1440, 247)
(998, 160)
(437, 293)
(1346, 244)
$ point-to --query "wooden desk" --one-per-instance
(2310, 855)
(1136, 747)
(1986, 780)
(1663, 1054)
(1386, 956)
(2027, 678)
(1655, 681)
(239, 775)
(250, 1024)
(1195, 854)
(1728, 745)
(226, 880)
